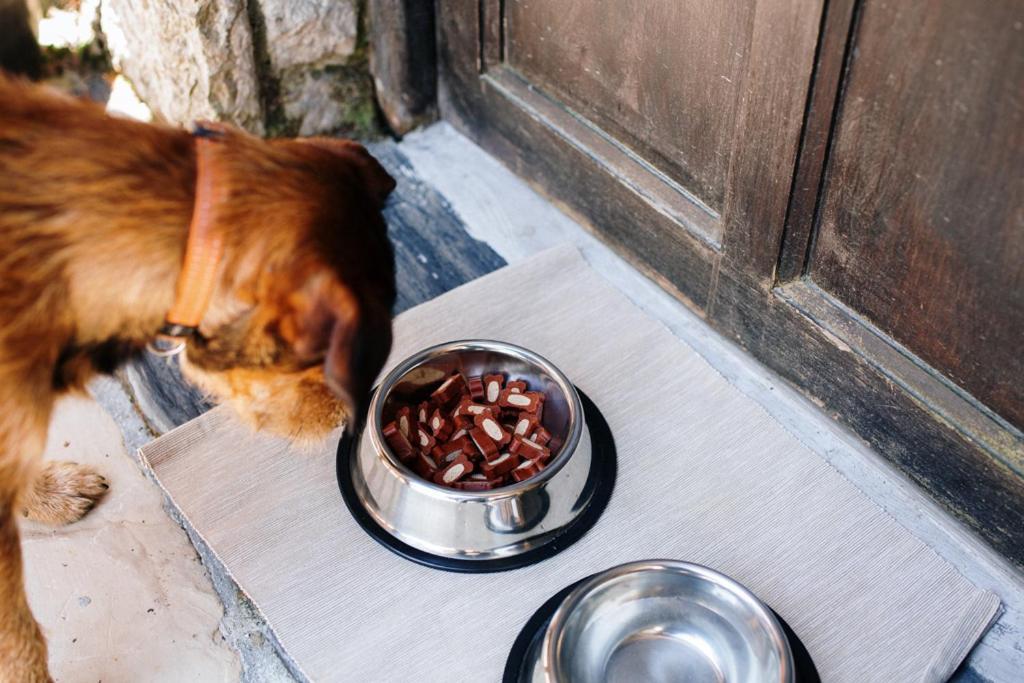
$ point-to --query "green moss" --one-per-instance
(275, 122)
(277, 125)
(350, 85)
(364, 118)
(362, 33)
(352, 88)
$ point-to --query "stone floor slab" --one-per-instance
(121, 594)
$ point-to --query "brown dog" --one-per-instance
(95, 214)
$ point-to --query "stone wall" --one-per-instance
(274, 67)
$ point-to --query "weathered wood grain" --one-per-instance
(402, 55)
(162, 395)
(899, 366)
(433, 253)
(769, 120)
(663, 77)
(555, 112)
(922, 221)
(829, 63)
(556, 157)
(977, 488)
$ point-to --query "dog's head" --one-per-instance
(300, 324)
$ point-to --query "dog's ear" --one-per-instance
(377, 181)
(323, 318)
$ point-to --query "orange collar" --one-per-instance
(198, 276)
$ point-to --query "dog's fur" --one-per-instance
(94, 214)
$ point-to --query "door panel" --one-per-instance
(671, 126)
(916, 231)
(662, 77)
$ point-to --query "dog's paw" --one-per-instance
(63, 493)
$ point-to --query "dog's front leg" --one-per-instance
(22, 439)
(22, 648)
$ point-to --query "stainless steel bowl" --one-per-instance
(658, 621)
(474, 525)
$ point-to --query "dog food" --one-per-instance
(527, 469)
(516, 386)
(476, 388)
(526, 401)
(500, 466)
(540, 436)
(404, 419)
(530, 450)
(478, 482)
(441, 426)
(449, 392)
(484, 444)
(424, 466)
(492, 388)
(490, 426)
(473, 434)
(525, 425)
(424, 439)
(459, 468)
(398, 442)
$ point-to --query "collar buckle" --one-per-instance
(165, 347)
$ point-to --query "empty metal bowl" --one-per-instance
(659, 621)
(482, 525)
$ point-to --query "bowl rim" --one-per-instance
(554, 632)
(397, 468)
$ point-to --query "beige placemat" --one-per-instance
(705, 475)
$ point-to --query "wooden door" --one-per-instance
(835, 185)
(640, 115)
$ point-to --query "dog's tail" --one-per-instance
(19, 51)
